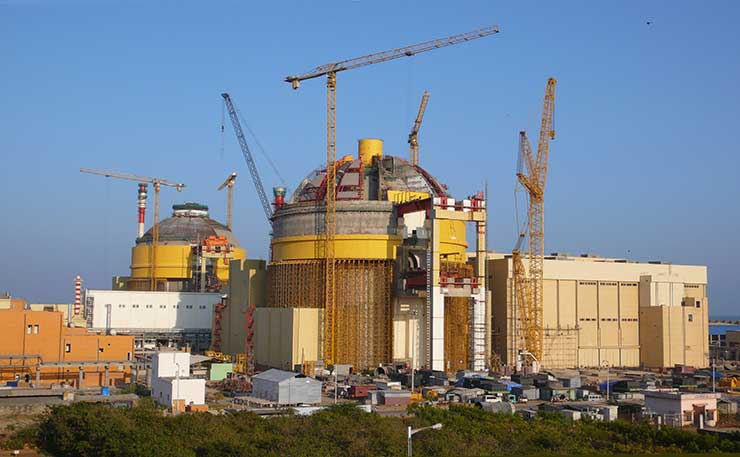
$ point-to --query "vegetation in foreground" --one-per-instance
(97, 430)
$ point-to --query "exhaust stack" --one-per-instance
(142, 209)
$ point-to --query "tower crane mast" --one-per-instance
(157, 183)
(248, 157)
(533, 175)
(414, 135)
(331, 70)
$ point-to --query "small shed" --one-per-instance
(286, 387)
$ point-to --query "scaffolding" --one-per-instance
(363, 307)
(560, 347)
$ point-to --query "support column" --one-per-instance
(38, 377)
(481, 307)
(437, 355)
(79, 378)
(106, 375)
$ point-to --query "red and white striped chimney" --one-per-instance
(142, 209)
(78, 295)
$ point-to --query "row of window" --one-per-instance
(608, 319)
(593, 283)
(163, 306)
(32, 329)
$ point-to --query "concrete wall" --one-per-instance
(681, 409)
(42, 333)
(247, 287)
(674, 335)
(408, 342)
(604, 300)
(169, 363)
(165, 390)
(161, 311)
(285, 337)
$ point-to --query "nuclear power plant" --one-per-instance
(404, 289)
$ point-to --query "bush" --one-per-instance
(343, 430)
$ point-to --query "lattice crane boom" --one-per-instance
(157, 183)
(331, 70)
(390, 54)
(248, 157)
(532, 175)
(414, 135)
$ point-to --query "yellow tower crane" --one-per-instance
(414, 135)
(229, 184)
(331, 70)
(156, 183)
(532, 175)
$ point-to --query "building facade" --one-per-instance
(680, 409)
(182, 318)
(172, 385)
(599, 312)
(36, 347)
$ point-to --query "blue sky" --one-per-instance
(644, 166)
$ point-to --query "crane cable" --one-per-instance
(260, 147)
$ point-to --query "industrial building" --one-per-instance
(189, 270)
(246, 290)
(192, 254)
(286, 388)
(37, 347)
(403, 288)
(154, 318)
(172, 385)
(680, 409)
(607, 312)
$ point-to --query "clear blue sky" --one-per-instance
(645, 163)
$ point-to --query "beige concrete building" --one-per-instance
(286, 337)
(247, 287)
(600, 311)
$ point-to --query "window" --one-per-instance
(691, 318)
(162, 306)
(709, 415)
(68, 348)
(100, 349)
(202, 306)
(189, 306)
(148, 306)
(35, 329)
(688, 416)
(698, 303)
(121, 306)
(29, 329)
(134, 306)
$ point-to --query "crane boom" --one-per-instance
(248, 157)
(414, 135)
(390, 54)
(157, 184)
(133, 177)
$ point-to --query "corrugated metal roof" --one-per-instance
(276, 375)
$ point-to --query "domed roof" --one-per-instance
(189, 224)
(356, 181)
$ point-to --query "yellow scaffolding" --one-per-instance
(363, 305)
